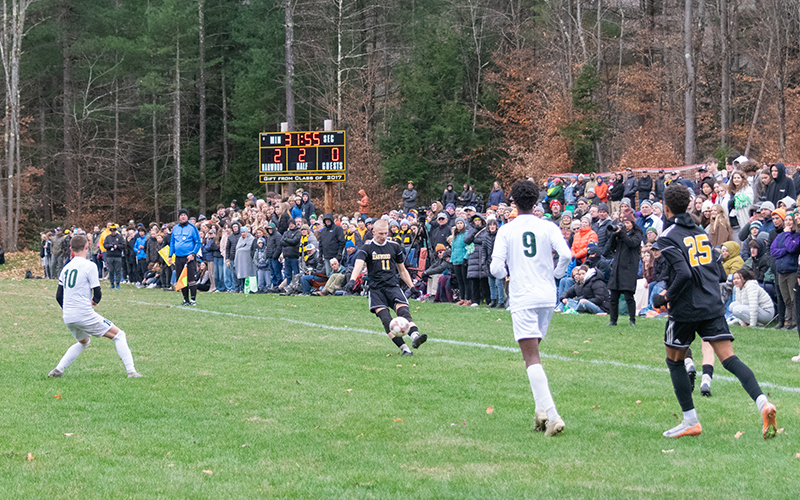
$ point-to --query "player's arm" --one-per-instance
(97, 294)
(60, 295)
(357, 268)
(498, 264)
(401, 268)
(683, 275)
(559, 245)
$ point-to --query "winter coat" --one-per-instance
(659, 187)
(315, 264)
(644, 186)
(283, 222)
(290, 241)
(230, 244)
(601, 191)
(307, 206)
(600, 228)
(151, 248)
(245, 250)
(592, 289)
(448, 197)
(438, 234)
(363, 203)
(297, 210)
(273, 245)
(617, 191)
(734, 262)
(331, 239)
(626, 248)
(742, 201)
(476, 267)
(580, 242)
(211, 250)
(755, 298)
(409, 199)
(488, 247)
(115, 245)
(630, 187)
(140, 247)
(759, 265)
(261, 258)
(496, 197)
(720, 234)
(785, 250)
(459, 251)
(660, 269)
(781, 187)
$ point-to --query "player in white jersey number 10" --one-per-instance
(78, 291)
(525, 247)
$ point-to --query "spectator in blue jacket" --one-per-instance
(785, 250)
(496, 196)
(184, 245)
(139, 247)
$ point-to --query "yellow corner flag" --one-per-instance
(164, 253)
(183, 279)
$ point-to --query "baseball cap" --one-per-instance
(113, 227)
(441, 215)
(469, 208)
(741, 159)
(310, 246)
(767, 205)
(702, 168)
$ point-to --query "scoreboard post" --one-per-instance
(315, 156)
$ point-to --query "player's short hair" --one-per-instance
(677, 198)
(381, 223)
(525, 194)
(78, 243)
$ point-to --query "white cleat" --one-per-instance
(796, 359)
(540, 421)
(56, 373)
(134, 375)
(684, 429)
(554, 428)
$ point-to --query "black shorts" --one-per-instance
(386, 297)
(680, 334)
(191, 271)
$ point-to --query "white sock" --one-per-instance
(414, 335)
(690, 417)
(761, 401)
(405, 348)
(541, 391)
(124, 351)
(71, 355)
(689, 364)
(706, 379)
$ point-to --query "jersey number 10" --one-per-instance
(71, 277)
(699, 249)
(529, 242)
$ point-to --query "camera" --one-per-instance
(613, 227)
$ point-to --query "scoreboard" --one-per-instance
(302, 156)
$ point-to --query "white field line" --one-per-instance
(557, 357)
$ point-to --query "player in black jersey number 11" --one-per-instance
(383, 260)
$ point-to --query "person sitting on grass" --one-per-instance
(336, 280)
(753, 305)
(314, 268)
(589, 293)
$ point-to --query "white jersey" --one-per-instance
(78, 278)
(527, 244)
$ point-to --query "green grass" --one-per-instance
(282, 409)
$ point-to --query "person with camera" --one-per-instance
(625, 245)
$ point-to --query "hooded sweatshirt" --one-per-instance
(734, 261)
(781, 187)
(785, 249)
(363, 203)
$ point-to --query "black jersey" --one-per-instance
(693, 268)
(381, 261)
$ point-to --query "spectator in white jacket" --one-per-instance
(753, 305)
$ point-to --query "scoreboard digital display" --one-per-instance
(302, 156)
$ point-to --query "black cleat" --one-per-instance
(705, 390)
(185, 303)
(612, 323)
(419, 341)
(692, 375)
(192, 303)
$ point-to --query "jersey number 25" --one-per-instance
(699, 249)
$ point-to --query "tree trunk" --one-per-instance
(71, 187)
(224, 131)
(726, 69)
(116, 150)
(760, 96)
(289, 79)
(202, 85)
(691, 84)
(176, 128)
(339, 62)
(44, 159)
(155, 161)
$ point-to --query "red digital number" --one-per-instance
(287, 138)
(309, 138)
(315, 137)
(334, 154)
(302, 156)
(276, 157)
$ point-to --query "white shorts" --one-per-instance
(92, 327)
(531, 323)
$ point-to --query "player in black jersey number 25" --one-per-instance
(695, 307)
(384, 259)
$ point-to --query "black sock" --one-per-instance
(745, 376)
(185, 292)
(681, 384)
(193, 290)
(413, 329)
(398, 341)
(708, 370)
(689, 353)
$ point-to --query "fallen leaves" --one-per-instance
(587, 341)
(575, 352)
(780, 431)
(398, 420)
(68, 434)
(738, 434)
(399, 366)
(489, 410)
(596, 407)
(796, 455)
(668, 451)
(30, 456)
(208, 472)
(349, 390)
(638, 401)
(57, 396)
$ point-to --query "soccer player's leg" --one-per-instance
(401, 308)
(677, 338)
(379, 304)
(718, 335)
(192, 274)
(530, 327)
(708, 369)
(83, 339)
(688, 362)
(124, 352)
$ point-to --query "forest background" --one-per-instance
(133, 109)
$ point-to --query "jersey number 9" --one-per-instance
(699, 249)
(529, 242)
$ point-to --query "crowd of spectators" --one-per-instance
(612, 225)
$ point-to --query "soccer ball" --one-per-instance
(399, 326)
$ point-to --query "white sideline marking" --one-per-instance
(443, 341)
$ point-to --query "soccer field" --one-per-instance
(286, 397)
